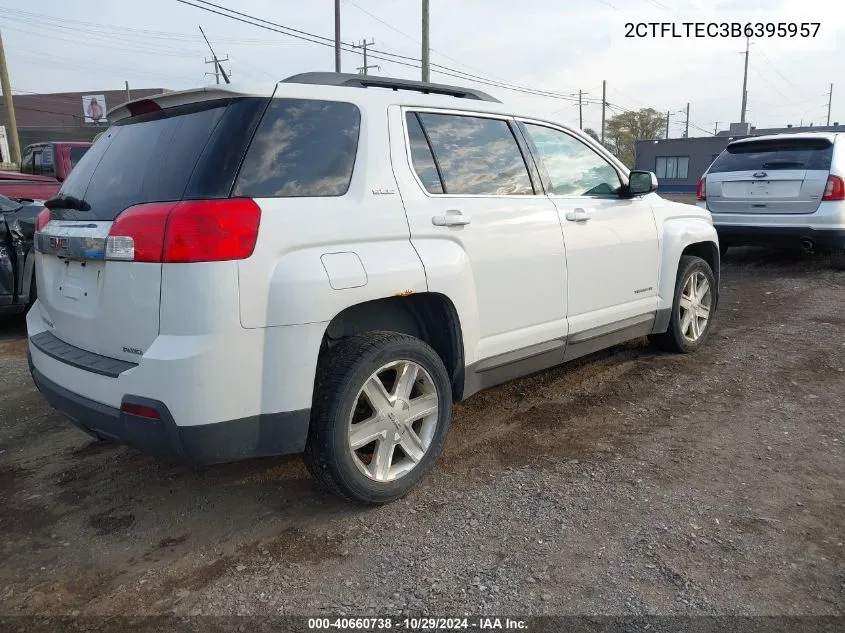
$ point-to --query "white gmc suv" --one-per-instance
(328, 267)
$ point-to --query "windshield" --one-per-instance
(775, 154)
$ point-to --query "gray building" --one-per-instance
(680, 162)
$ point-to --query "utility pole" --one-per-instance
(337, 36)
(580, 112)
(426, 74)
(218, 69)
(667, 123)
(363, 46)
(829, 103)
(686, 129)
(716, 129)
(603, 106)
(12, 127)
(745, 81)
(128, 94)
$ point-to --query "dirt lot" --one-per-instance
(630, 482)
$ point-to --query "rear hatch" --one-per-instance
(770, 176)
(181, 146)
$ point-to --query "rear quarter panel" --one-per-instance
(286, 281)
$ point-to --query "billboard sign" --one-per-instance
(94, 108)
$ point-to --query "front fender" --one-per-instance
(679, 227)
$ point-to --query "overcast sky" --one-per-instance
(554, 45)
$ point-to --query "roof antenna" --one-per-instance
(218, 67)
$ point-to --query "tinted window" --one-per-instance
(76, 153)
(47, 165)
(421, 156)
(775, 154)
(144, 159)
(302, 148)
(477, 156)
(36, 156)
(574, 169)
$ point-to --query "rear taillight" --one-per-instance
(834, 189)
(42, 219)
(187, 231)
(701, 192)
(137, 235)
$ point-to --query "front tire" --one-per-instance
(381, 410)
(695, 300)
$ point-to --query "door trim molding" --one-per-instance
(525, 361)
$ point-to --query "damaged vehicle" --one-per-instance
(17, 264)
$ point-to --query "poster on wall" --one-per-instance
(94, 108)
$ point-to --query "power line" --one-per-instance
(416, 41)
(394, 58)
(784, 77)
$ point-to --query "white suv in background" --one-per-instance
(327, 267)
(779, 189)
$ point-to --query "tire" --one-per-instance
(340, 398)
(837, 259)
(675, 339)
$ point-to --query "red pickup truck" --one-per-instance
(44, 167)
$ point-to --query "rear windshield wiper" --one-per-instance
(67, 202)
(783, 163)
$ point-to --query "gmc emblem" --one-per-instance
(58, 243)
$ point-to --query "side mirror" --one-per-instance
(641, 182)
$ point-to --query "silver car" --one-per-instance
(779, 189)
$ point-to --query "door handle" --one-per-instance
(577, 215)
(453, 217)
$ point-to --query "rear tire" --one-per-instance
(381, 410)
(688, 327)
(837, 259)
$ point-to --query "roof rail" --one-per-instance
(371, 81)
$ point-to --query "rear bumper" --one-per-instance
(737, 235)
(257, 436)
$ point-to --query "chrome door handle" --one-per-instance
(453, 217)
(577, 215)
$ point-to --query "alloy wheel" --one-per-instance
(696, 304)
(392, 423)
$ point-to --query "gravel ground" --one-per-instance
(630, 482)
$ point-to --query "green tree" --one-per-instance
(622, 131)
(591, 132)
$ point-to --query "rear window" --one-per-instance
(302, 148)
(777, 154)
(76, 154)
(163, 156)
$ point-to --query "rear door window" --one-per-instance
(421, 156)
(769, 155)
(76, 154)
(476, 155)
(47, 164)
(302, 148)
